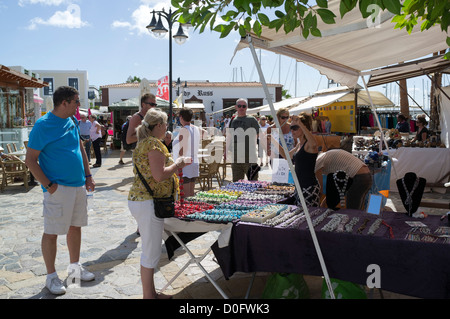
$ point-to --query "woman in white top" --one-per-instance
(187, 144)
(95, 133)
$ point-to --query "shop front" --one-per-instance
(17, 106)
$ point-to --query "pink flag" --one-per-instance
(89, 111)
(163, 88)
(77, 115)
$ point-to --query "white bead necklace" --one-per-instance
(341, 190)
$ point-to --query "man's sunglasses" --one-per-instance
(295, 127)
(151, 103)
(284, 117)
(241, 106)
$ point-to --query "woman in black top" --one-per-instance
(422, 132)
(305, 155)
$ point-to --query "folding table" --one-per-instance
(173, 226)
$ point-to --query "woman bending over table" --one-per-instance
(156, 165)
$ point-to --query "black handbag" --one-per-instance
(164, 206)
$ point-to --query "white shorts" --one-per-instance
(64, 208)
(151, 230)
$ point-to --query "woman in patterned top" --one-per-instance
(155, 163)
(274, 135)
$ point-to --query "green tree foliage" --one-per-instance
(251, 15)
(133, 79)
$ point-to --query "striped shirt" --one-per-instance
(337, 159)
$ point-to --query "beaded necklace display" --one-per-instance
(409, 198)
(341, 190)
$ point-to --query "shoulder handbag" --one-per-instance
(164, 206)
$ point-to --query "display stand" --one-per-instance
(174, 226)
(197, 260)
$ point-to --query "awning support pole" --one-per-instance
(383, 140)
(291, 168)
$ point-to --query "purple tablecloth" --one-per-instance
(407, 267)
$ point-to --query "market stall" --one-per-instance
(259, 231)
(413, 258)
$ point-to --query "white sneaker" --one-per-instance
(79, 272)
(55, 285)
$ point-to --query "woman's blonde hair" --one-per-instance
(152, 118)
(281, 111)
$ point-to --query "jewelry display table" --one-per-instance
(412, 260)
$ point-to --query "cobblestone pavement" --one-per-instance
(110, 248)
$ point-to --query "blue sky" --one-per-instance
(108, 39)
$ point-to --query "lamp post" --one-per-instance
(180, 37)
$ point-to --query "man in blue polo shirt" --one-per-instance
(58, 161)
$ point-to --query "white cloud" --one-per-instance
(44, 2)
(142, 16)
(71, 18)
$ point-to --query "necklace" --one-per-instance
(409, 199)
(341, 190)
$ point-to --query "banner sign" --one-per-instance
(163, 88)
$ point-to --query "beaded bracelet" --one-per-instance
(442, 230)
(333, 223)
(344, 220)
(296, 221)
(374, 227)
(351, 224)
(391, 232)
(282, 217)
(321, 218)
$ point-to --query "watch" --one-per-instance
(49, 185)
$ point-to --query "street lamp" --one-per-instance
(157, 28)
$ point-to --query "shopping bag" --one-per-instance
(343, 290)
(286, 286)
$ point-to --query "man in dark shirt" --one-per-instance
(402, 124)
(244, 130)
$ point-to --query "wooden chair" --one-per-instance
(207, 173)
(12, 169)
(9, 148)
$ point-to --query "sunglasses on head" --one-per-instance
(295, 127)
(151, 103)
(241, 105)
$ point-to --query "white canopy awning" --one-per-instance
(287, 103)
(408, 70)
(317, 101)
(352, 45)
(320, 99)
(223, 110)
(192, 106)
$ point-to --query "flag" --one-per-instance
(163, 88)
(77, 115)
(89, 111)
(178, 100)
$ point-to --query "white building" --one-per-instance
(77, 79)
(213, 96)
